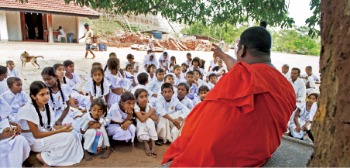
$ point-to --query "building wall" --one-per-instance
(68, 24)
(14, 26)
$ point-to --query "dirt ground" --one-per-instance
(124, 155)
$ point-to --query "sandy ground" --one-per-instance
(123, 155)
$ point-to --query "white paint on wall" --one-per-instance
(80, 29)
(14, 26)
(4, 37)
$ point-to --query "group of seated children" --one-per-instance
(56, 116)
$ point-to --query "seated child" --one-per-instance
(95, 122)
(151, 70)
(202, 92)
(11, 71)
(73, 79)
(98, 87)
(146, 118)
(212, 80)
(198, 78)
(14, 148)
(15, 97)
(120, 115)
(143, 80)
(177, 76)
(193, 87)
(171, 112)
(116, 77)
(300, 120)
(111, 55)
(184, 70)
(154, 86)
(95, 64)
(130, 76)
(182, 91)
(3, 79)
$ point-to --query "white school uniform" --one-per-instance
(183, 77)
(192, 92)
(6, 109)
(89, 88)
(287, 75)
(212, 64)
(90, 134)
(145, 130)
(187, 102)
(210, 85)
(116, 81)
(148, 62)
(151, 78)
(3, 86)
(75, 82)
(62, 149)
(300, 91)
(12, 73)
(13, 151)
(177, 80)
(163, 62)
(302, 119)
(312, 85)
(154, 88)
(166, 130)
(117, 115)
(58, 104)
(197, 100)
(139, 86)
(16, 101)
(200, 70)
(130, 79)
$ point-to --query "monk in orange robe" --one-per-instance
(241, 121)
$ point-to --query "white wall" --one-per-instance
(4, 37)
(14, 26)
(68, 24)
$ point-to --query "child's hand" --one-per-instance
(297, 129)
(152, 111)
(58, 122)
(177, 124)
(154, 95)
(96, 126)
(6, 133)
(128, 111)
(66, 128)
(126, 125)
(304, 128)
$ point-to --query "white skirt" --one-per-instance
(62, 149)
(119, 134)
(14, 152)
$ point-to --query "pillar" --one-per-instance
(4, 35)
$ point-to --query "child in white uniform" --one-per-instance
(143, 80)
(182, 91)
(120, 115)
(193, 87)
(56, 146)
(12, 72)
(3, 79)
(300, 120)
(97, 87)
(172, 114)
(94, 122)
(154, 86)
(202, 93)
(146, 118)
(73, 79)
(15, 97)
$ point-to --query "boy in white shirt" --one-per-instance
(154, 86)
(171, 114)
(182, 91)
(3, 79)
(143, 80)
(212, 80)
(73, 79)
(11, 71)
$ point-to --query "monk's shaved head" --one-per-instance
(257, 40)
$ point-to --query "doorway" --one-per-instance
(33, 26)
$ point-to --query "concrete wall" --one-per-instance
(68, 24)
(14, 26)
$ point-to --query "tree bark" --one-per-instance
(331, 125)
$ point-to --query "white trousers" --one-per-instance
(119, 134)
(166, 130)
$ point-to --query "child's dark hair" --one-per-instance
(34, 89)
(96, 64)
(176, 66)
(202, 64)
(168, 76)
(139, 91)
(9, 62)
(187, 87)
(126, 96)
(3, 69)
(93, 70)
(159, 70)
(200, 74)
(196, 59)
(190, 73)
(173, 57)
(203, 88)
(142, 78)
(188, 54)
(129, 56)
(149, 67)
(113, 63)
(313, 94)
(112, 54)
(55, 67)
(67, 63)
(99, 102)
(12, 80)
(211, 75)
(51, 72)
(127, 66)
(167, 85)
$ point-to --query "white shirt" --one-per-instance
(16, 101)
(300, 91)
(163, 107)
(287, 75)
(116, 114)
(139, 86)
(3, 86)
(12, 73)
(75, 82)
(90, 88)
(187, 102)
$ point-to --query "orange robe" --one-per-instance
(240, 123)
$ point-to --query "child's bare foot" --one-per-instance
(147, 149)
(38, 156)
(153, 152)
(106, 153)
(87, 156)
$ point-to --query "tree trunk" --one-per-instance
(331, 125)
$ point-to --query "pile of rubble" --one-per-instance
(139, 41)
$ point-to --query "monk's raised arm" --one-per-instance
(229, 61)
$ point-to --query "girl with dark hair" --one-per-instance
(116, 77)
(58, 96)
(151, 70)
(121, 127)
(73, 79)
(59, 70)
(94, 123)
(130, 75)
(146, 118)
(97, 87)
(196, 65)
(56, 146)
(172, 63)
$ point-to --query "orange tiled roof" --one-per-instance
(49, 7)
